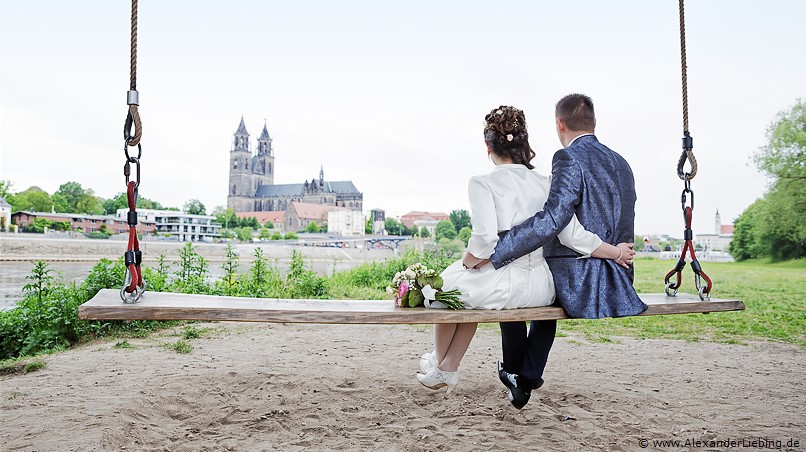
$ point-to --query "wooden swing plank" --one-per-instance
(106, 305)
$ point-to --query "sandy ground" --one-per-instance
(351, 387)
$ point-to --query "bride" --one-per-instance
(500, 199)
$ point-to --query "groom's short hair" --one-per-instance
(576, 111)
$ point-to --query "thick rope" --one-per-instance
(134, 140)
(689, 153)
(133, 70)
(683, 66)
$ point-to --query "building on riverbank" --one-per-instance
(720, 239)
(5, 215)
(184, 226)
(83, 222)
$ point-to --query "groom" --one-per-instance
(596, 184)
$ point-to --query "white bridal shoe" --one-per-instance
(428, 361)
(437, 378)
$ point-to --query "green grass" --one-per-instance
(774, 295)
(123, 344)
(33, 366)
(20, 365)
(180, 346)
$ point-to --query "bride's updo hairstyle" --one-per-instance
(505, 133)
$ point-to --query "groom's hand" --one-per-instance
(626, 254)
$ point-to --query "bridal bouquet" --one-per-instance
(420, 286)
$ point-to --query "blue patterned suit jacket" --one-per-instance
(597, 184)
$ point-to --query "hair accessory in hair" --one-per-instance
(499, 112)
(510, 137)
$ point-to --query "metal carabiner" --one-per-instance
(701, 288)
(130, 297)
(127, 170)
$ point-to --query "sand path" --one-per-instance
(253, 387)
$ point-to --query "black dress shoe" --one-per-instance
(509, 379)
(519, 395)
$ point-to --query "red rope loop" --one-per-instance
(134, 243)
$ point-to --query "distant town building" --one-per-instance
(348, 223)
(251, 181)
(378, 221)
(84, 222)
(5, 215)
(300, 214)
(184, 226)
(421, 219)
(720, 239)
(277, 218)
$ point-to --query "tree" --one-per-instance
(464, 234)
(312, 227)
(39, 225)
(244, 233)
(460, 219)
(784, 156)
(368, 226)
(291, 235)
(775, 225)
(5, 189)
(120, 201)
(194, 207)
(268, 224)
(445, 229)
(393, 227)
(71, 193)
(265, 233)
(424, 232)
(88, 203)
(34, 198)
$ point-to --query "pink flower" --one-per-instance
(402, 289)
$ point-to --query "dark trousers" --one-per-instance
(527, 354)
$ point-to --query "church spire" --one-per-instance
(241, 128)
(241, 141)
(265, 134)
(321, 175)
(264, 141)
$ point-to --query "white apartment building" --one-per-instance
(184, 226)
(345, 222)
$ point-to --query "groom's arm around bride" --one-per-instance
(596, 184)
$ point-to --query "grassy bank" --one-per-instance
(46, 320)
(774, 294)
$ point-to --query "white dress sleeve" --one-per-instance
(577, 238)
(483, 219)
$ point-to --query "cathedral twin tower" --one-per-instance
(251, 181)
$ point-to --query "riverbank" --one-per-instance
(300, 387)
(30, 247)
(74, 258)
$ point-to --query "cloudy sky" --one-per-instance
(392, 95)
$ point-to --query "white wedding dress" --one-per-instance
(505, 197)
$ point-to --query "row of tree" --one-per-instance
(71, 197)
(775, 225)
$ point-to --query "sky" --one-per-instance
(392, 95)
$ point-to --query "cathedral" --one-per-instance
(251, 181)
